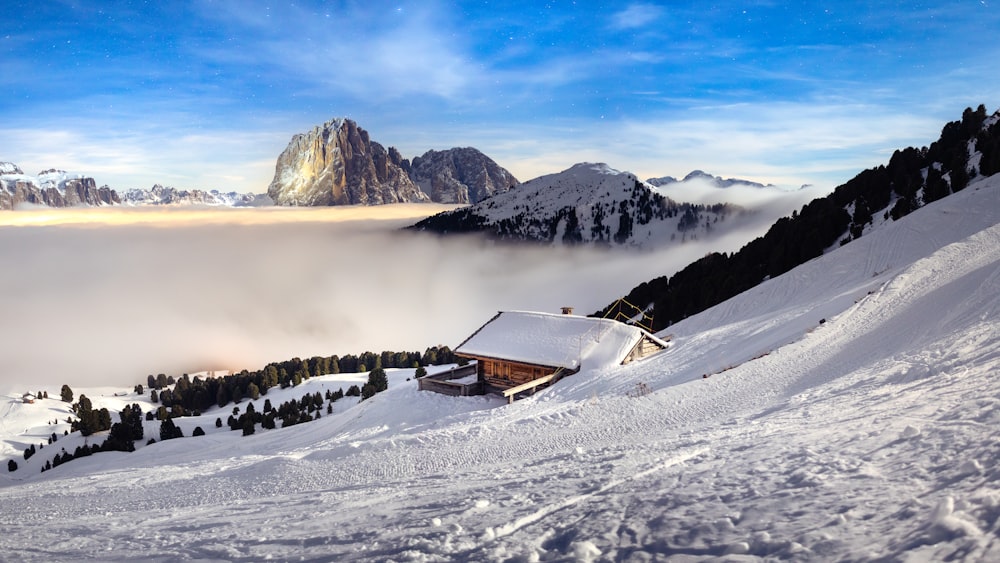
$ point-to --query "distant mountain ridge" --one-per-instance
(58, 188)
(967, 150)
(51, 188)
(589, 203)
(165, 195)
(715, 181)
(337, 163)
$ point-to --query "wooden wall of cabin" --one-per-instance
(502, 373)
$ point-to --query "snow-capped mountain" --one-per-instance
(589, 203)
(58, 188)
(160, 195)
(707, 179)
(52, 188)
(843, 411)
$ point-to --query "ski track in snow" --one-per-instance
(870, 436)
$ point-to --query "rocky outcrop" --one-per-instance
(337, 164)
(460, 175)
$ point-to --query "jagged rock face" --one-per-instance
(52, 188)
(84, 191)
(460, 175)
(337, 164)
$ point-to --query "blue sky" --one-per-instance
(207, 94)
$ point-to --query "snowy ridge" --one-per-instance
(590, 203)
(714, 181)
(58, 188)
(160, 195)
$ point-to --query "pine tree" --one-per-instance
(378, 380)
(66, 394)
(248, 425)
(169, 430)
(11, 466)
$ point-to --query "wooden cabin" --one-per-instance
(518, 351)
(27, 398)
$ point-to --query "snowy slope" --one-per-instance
(868, 436)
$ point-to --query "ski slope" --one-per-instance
(844, 411)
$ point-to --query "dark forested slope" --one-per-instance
(967, 149)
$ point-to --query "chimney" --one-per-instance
(567, 310)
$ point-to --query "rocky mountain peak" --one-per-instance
(52, 188)
(460, 175)
(338, 164)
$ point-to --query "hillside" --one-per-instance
(967, 150)
(848, 414)
(595, 204)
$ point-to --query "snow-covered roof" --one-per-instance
(554, 340)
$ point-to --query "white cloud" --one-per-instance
(359, 50)
(110, 303)
(636, 16)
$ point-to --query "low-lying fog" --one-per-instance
(105, 297)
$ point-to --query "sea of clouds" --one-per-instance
(105, 297)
